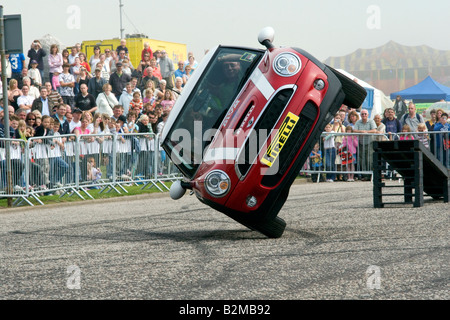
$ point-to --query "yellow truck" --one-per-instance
(135, 45)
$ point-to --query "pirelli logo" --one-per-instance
(280, 139)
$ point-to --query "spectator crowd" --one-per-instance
(81, 95)
(346, 142)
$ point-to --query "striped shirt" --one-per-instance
(55, 97)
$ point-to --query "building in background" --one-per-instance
(394, 67)
(135, 44)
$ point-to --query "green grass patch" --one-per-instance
(95, 193)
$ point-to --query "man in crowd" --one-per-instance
(43, 104)
(167, 69)
(412, 119)
(21, 113)
(364, 125)
(126, 97)
(53, 94)
(67, 85)
(148, 77)
(76, 119)
(32, 90)
(25, 101)
(118, 80)
(17, 61)
(37, 53)
(392, 124)
(84, 100)
(60, 116)
(95, 84)
(400, 107)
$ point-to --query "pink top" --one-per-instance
(86, 131)
(55, 82)
(351, 142)
(167, 104)
(55, 63)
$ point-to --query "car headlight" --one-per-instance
(287, 64)
(217, 183)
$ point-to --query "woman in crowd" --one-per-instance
(352, 118)
(83, 130)
(188, 70)
(159, 92)
(65, 56)
(168, 101)
(178, 86)
(146, 158)
(106, 100)
(31, 120)
(192, 64)
(381, 128)
(83, 77)
(14, 93)
(95, 58)
(55, 61)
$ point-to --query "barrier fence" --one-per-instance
(345, 156)
(70, 165)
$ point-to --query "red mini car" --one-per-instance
(245, 124)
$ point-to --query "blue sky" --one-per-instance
(324, 28)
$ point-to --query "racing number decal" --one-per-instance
(280, 139)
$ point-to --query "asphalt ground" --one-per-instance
(336, 246)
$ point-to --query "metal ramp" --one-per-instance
(420, 169)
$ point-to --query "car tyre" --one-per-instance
(273, 228)
(354, 93)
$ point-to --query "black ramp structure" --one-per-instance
(421, 171)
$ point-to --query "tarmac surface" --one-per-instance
(336, 246)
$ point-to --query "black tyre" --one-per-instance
(354, 93)
(273, 228)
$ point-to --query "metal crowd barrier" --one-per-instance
(350, 155)
(73, 166)
(70, 165)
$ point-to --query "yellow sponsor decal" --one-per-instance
(280, 139)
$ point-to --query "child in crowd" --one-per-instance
(149, 97)
(423, 137)
(315, 160)
(168, 101)
(406, 133)
(94, 173)
(58, 167)
(136, 102)
(350, 143)
(41, 148)
(21, 131)
(35, 74)
(330, 152)
(29, 133)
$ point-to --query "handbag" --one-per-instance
(345, 156)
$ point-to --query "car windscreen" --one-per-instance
(207, 105)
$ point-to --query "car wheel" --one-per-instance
(273, 228)
(354, 93)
